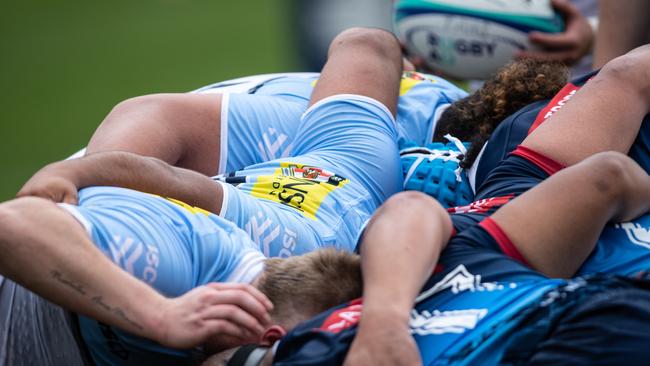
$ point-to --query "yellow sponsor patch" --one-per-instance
(299, 186)
(192, 209)
(411, 79)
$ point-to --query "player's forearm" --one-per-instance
(44, 249)
(127, 170)
(400, 248)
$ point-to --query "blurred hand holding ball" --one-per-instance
(471, 39)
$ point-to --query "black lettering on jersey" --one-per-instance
(289, 199)
(300, 182)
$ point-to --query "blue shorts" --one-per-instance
(261, 126)
(345, 164)
(260, 115)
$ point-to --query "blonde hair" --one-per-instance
(303, 286)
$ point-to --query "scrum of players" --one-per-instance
(263, 221)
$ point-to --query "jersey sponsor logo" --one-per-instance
(636, 233)
(441, 322)
(271, 146)
(459, 280)
(481, 206)
(125, 252)
(411, 79)
(298, 186)
(343, 318)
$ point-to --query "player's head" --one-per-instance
(473, 118)
(301, 287)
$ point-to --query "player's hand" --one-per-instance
(568, 46)
(383, 340)
(218, 309)
(52, 182)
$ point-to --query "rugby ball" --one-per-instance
(471, 39)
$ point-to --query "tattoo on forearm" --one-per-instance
(119, 312)
(98, 300)
(71, 284)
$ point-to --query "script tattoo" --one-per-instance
(98, 300)
(71, 284)
(119, 312)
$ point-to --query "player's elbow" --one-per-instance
(418, 207)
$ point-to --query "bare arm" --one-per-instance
(60, 181)
(180, 129)
(604, 115)
(405, 237)
(80, 278)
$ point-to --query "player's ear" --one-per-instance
(272, 334)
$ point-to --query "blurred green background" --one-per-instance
(63, 65)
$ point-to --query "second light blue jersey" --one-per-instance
(344, 165)
(261, 114)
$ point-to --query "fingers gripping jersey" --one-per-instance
(323, 195)
(261, 114)
(167, 244)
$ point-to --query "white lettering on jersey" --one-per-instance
(263, 235)
(127, 252)
(269, 150)
(459, 280)
(440, 322)
(288, 244)
(560, 104)
(636, 233)
(258, 232)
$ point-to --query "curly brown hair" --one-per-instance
(472, 119)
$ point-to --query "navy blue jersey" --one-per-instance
(514, 129)
(467, 313)
(622, 249)
(519, 172)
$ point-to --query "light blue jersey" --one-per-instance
(344, 165)
(260, 114)
(169, 245)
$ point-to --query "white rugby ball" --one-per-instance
(471, 39)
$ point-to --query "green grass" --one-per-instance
(63, 65)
